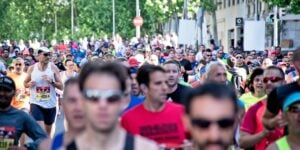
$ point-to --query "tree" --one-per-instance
(292, 5)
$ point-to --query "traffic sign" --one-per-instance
(138, 21)
(239, 22)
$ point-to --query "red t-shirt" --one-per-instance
(164, 127)
(252, 124)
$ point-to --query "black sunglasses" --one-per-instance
(222, 123)
(110, 96)
(294, 109)
(272, 79)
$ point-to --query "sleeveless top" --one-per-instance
(282, 144)
(129, 143)
(58, 142)
(43, 93)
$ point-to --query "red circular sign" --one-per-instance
(138, 21)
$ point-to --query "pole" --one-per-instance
(138, 13)
(114, 18)
(275, 26)
(55, 22)
(72, 18)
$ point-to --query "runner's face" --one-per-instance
(72, 104)
(270, 85)
(218, 75)
(157, 88)
(19, 66)
(212, 136)
(5, 97)
(258, 84)
(293, 119)
(172, 73)
(102, 115)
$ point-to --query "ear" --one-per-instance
(144, 88)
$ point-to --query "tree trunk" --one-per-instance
(215, 28)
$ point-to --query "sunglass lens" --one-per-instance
(226, 123)
(201, 123)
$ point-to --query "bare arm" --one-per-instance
(27, 81)
(57, 80)
(249, 140)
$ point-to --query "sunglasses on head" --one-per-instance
(110, 96)
(272, 79)
(222, 123)
(294, 109)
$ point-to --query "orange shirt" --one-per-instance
(21, 99)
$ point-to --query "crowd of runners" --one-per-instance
(149, 93)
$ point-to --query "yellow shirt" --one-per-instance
(250, 99)
(21, 99)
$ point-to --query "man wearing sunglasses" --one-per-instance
(156, 118)
(211, 114)
(272, 119)
(291, 113)
(253, 134)
(103, 86)
(42, 79)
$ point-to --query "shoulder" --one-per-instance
(145, 144)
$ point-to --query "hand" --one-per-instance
(32, 83)
(278, 121)
(17, 148)
(46, 78)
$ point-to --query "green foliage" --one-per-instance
(293, 5)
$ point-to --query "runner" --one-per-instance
(72, 104)
(253, 134)
(42, 79)
(291, 112)
(156, 118)
(14, 122)
(211, 112)
(103, 86)
(176, 90)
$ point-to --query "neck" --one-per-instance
(173, 88)
(259, 94)
(153, 106)
(293, 140)
(105, 140)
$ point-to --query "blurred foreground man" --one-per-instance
(291, 113)
(72, 104)
(103, 87)
(211, 130)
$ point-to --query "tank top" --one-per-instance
(43, 93)
(129, 143)
(282, 144)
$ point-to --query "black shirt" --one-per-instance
(187, 67)
(277, 96)
(179, 94)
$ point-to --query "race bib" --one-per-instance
(42, 93)
(21, 95)
(7, 137)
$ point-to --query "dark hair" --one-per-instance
(67, 61)
(175, 62)
(70, 81)
(111, 68)
(256, 72)
(143, 74)
(278, 69)
(216, 90)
